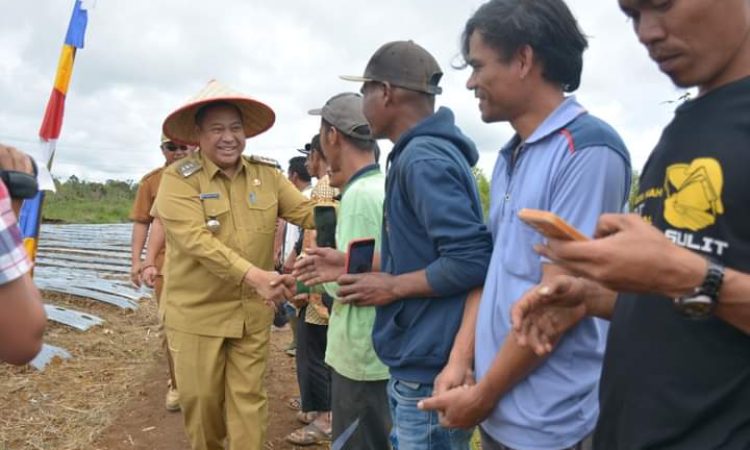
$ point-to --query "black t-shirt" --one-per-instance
(670, 382)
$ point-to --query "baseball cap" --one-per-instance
(404, 64)
(344, 112)
(306, 150)
(313, 145)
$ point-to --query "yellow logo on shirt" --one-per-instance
(693, 194)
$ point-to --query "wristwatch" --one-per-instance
(702, 301)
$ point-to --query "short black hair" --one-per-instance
(297, 165)
(547, 26)
(367, 145)
(203, 110)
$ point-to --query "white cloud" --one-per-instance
(144, 58)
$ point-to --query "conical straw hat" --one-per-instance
(180, 125)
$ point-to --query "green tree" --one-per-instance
(81, 201)
(483, 185)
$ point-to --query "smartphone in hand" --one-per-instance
(325, 226)
(359, 255)
(550, 225)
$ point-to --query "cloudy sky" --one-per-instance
(145, 58)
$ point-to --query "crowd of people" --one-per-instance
(637, 338)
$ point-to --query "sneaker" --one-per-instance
(173, 400)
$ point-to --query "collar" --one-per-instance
(212, 169)
(361, 173)
(566, 112)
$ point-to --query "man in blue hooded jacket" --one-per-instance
(435, 246)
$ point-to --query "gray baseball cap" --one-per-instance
(404, 64)
(344, 112)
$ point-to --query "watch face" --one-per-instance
(697, 306)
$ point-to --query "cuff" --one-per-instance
(238, 269)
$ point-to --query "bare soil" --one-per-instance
(110, 394)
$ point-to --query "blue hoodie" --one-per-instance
(432, 220)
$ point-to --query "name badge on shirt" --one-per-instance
(210, 195)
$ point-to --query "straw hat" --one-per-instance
(180, 125)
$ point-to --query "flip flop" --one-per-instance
(306, 417)
(308, 435)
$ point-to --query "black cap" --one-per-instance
(404, 64)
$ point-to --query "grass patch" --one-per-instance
(77, 201)
(86, 210)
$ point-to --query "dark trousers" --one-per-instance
(363, 400)
(313, 375)
(490, 444)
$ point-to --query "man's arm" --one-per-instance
(137, 242)
(459, 369)
(456, 229)
(278, 242)
(468, 405)
(179, 208)
(545, 312)
(22, 317)
(141, 217)
(22, 321)
(658, 266)
(156, 240)
(734, 300)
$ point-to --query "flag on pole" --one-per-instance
(49, 132)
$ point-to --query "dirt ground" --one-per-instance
(110, 394)
(145, 424)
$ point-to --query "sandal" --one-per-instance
(306, 417)
(294, 403)
(308, 435)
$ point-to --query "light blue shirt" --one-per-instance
(576, 166)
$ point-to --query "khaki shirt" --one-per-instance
(204, 292)
(144, 198)
(144, 202)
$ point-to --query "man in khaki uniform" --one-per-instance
(219, 211)
(142, 225)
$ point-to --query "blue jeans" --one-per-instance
(414, 429)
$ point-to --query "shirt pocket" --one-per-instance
(263, 211)
(519, 257)
(218, 209)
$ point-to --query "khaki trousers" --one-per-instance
(221, 388)
(158, 286)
